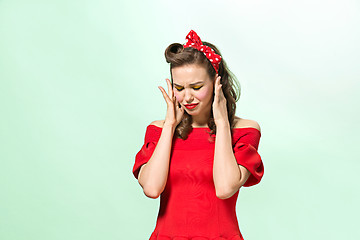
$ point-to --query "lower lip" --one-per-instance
(191, 106)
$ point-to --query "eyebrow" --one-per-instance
(192, 84)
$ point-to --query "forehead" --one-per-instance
(188, 74)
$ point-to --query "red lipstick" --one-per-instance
(191, 106)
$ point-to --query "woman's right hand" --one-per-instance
(174, 113)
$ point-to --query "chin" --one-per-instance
(191, 113)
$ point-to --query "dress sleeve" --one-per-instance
(245, 151)
(152, 136)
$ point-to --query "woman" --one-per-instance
(199, 157)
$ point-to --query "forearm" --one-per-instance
(226, 172)
(154, 173)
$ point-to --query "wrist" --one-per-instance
(222, 125)
(169, 126)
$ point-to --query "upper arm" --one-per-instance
(245, 174)
(158, 123)
(139, 175)
(243, 123)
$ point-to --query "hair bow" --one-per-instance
(194, 41)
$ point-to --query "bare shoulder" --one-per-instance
(158, 123)
(243, 123)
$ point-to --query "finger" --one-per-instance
(218, 92)
(166, 97)
(177, 104)
(170, 90)
(180, 110)
(221, 93)
(178, 107)
(217, 82)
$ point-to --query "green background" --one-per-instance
(78, 86)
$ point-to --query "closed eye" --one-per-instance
(195, 88)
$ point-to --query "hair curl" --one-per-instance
(177, 56)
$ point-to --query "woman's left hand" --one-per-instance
(219, 105)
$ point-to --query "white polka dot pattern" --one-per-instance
(194, 41)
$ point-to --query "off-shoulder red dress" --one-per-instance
(189, 207)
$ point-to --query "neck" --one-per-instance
(201, 120)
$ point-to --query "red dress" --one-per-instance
(189, 207)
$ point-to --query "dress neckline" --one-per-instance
(207, 128)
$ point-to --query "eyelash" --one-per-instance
(195, 88)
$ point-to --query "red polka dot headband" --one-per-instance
(194, 41)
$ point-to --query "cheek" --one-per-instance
(204, 94)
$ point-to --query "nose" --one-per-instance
(188, 96)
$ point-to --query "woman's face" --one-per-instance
(193, 89)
